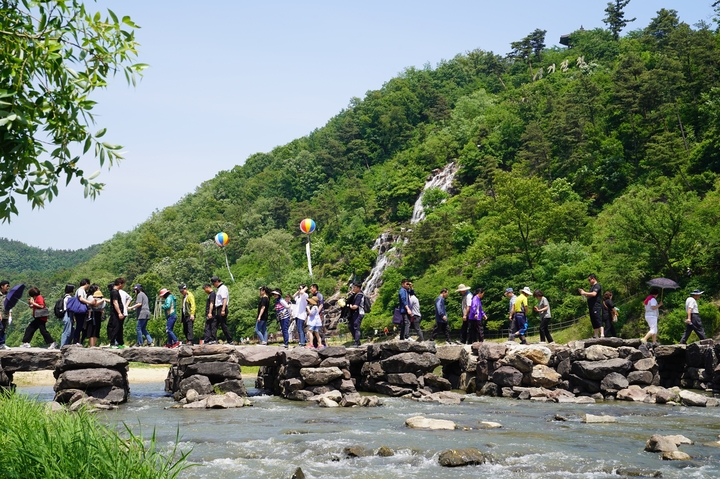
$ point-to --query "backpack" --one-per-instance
(365, 306)
(59, 309)
(74, 305)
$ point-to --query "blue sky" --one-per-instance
(231, 78)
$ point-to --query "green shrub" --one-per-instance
(39, 444)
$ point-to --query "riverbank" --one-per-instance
(138, 373)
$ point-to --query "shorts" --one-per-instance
(315, 328)
(596, 319)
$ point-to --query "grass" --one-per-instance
(37, 444)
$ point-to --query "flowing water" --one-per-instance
(442, 180)
(275, 436)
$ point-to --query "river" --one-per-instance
(275, 436)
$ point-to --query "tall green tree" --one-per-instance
(53, 55)
(615, 18)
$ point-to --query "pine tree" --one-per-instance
(615, 18)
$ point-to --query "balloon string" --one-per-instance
(228, 265)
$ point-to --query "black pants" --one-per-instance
(188, 325)
(415, 324)
(210, 330)
(475, 331)
(354, 325)
(545, 330)
(221, 322)
(464, 332)
(695, 325)
(80, 320)
(115, 330)
(34, 325)
(441, 326)
(405, 326)
(609, 326)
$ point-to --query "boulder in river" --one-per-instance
(419, 422)
(461, 457)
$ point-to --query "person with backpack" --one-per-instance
(170, 308)
(80, 318)
(40, 317)
(68, 319)
(358, 313)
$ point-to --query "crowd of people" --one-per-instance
(83, 309)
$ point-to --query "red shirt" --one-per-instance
(40, 301)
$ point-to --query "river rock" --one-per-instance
(83, 358)
(597, 370)
(335, 362)
(632, 393)
(373, 370)
(357, 355)
(410, 362)
(327, 402)
(350, 400)
(592, 419)
(535, 353)
(490, 351)
(489, 389)
(298, 474)
(443, 397)
(201, 404)
(332, 352)
(597, 352)
(289, 385)
(419, 422)
(468, 361)
(575, 400)
(356, 451)
(385, 451)
(631, 354)
(111, 394)
(320, 376)
(301, 357)
(489, 425)
(85, 379)
(370, 401)
(235, 386)
(388, 389)
(521, 363)
(690, 398)
(299, 395)
(544, 376)
(658, 443)
(403, 379)
(224, 401)
(210, 358)
(201, 384)
(216, 372)
(640, 377)
(449, 354)
(461, 457)
(645, 364)
(675, 456)
(669, 351)
(564, 368)
(587, 385)
(610, 342)
(69, 396)
(145, 355)
(192, 395)
(436, 382)
(257, 355)
(679, 439)
(613, 383)
(334, 395)
(506, 376)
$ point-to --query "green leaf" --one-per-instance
(114, 17)
(100, 133)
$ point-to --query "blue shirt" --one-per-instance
(404, 300)
(440, 311)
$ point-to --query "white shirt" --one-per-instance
(414, 305)
(81, 294)
(222, 293)
(651, 313)
(125, 299)
(301, 305)
(691, 304)
(314, 319)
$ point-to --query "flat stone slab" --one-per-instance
(147, 355)
(258, 355)
(419, 422)
(29, 359)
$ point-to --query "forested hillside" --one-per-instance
(602, 157)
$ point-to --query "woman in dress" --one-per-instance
(652, 311)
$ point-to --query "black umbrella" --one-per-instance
(14, 296)
(663, 284)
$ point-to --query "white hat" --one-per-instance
(526, 290)
(462, 288)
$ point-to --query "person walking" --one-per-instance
(209, 336)
(118, 313)
(467, 297)
(652, 312)
(609, 315)
(542, 308)
(262, 316)
(301, 298)
(80, 318)
(4, 315)
(95, 313)
(40, 315)
(510, 295)
(222, 301)
(315, 293)
(142, 304)
(405, 311)
(416, 317)
(282, 311)
(475, 318)
(356, 317)
(68, 320)
(169, 306)
(520, 323)
(594, 307)
(188, 312)
(441, 320)
(693, 322)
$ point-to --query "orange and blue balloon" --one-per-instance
(221, 239)
(307, 226)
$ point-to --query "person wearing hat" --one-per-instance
(314, 324)
(169, 306)
(693, 321)
(510, 295)
(476, 317)
(520, 323)
(96, 309)
(188, 312)
(467, 297)
(282, 311)
(142, 303)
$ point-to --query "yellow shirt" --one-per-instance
(520, 302)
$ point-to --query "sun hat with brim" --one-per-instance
(163, 292)
(526, 290)
(312, 301)
(462, 288)
(275, 291)
(97, 294)
(696, 292)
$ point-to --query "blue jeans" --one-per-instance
(171, 338)
(261, 330)
(3, 327)
(67, 334)
(143, 332)
(300, 327)
(284, 326)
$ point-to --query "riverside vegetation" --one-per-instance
(37, 444)
(603, 157)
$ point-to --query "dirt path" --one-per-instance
(144, 374)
